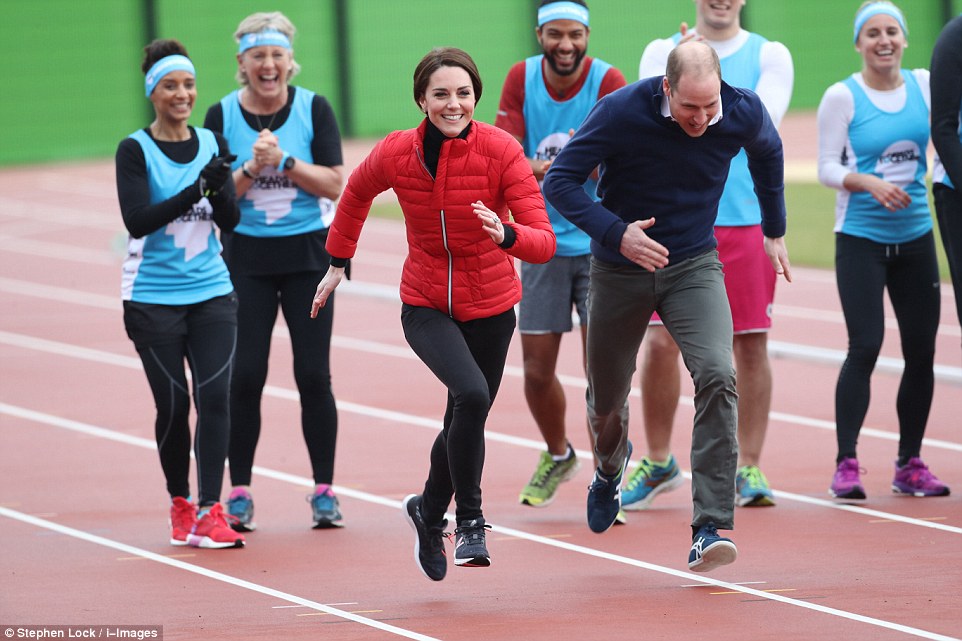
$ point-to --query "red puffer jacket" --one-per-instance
(452, 264)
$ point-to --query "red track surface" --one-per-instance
(83, 507)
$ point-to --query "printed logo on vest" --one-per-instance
(899, 163)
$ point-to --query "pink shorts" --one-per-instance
(749, 278)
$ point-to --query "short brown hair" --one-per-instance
(161, 49)
(696, 58)
(444, 57)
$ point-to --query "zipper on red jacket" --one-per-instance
(444, 236)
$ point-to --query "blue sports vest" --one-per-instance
(546, 124)
(179, 264)
(891, 146)
(738, 206)
(274, 206)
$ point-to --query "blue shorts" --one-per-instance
(551, 291)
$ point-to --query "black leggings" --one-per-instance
(864, 269)
(948, 210)
(311, 345)
(206, 335)
(468, 358)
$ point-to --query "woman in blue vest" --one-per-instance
(873, 134)
(175, 189)
(288, 172)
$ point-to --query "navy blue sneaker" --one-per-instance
(428, 541)
(709, 551)
(604, 497)
(469, 544)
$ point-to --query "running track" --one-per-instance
(83, 510)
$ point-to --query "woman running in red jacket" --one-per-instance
(456, 180)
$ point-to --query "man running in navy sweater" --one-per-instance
(664, 146)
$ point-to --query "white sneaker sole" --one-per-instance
(716, 555)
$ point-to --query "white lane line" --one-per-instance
(130, 362)
(396, 351)
(210, 574)
(396, 505)
(777, 349)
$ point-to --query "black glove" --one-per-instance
(215, 174)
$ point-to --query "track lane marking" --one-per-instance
(321, 608)
(210, 574)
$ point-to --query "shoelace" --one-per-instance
(472, 533)
(436, 536)
(645, 471)
(241, 500)
(322, 501)
(216, 516)
(544, 470)
(920, 475)
(598, 484)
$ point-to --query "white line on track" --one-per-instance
(100, 432)
(130, 362)
(211, 574)
(943, 373)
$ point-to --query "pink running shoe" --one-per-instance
(183, 515)
(212, 531)
(846, 484)
(915, 479)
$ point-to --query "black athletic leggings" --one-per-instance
(311, 345)
(948, 210)
(206, 335)
(468, 358)
(910, 272)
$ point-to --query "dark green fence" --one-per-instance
(72, 86)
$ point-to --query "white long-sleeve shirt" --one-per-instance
(774, 83)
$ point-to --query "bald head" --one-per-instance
(693, 60)
(692, 85)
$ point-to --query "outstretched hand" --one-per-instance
(326, 287)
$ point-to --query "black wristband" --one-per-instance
(509, 237)
(246, 171)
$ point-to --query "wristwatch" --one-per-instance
(287, 162)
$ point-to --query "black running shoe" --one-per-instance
(428, 541)
(469, 548)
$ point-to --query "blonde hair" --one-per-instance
(267, 21)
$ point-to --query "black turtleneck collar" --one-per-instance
(433, 138)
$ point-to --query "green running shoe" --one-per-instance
(540, 490)
(648, 481)
(752, 488)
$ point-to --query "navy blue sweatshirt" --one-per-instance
(946, 83)
(651, 168)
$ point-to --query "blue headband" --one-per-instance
(874, 10)
(264, 38)
(563, 11)
(163, 67)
